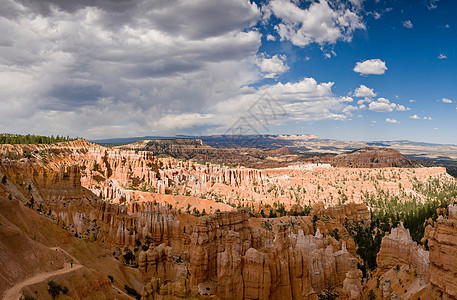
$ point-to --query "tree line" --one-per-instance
(33, 139)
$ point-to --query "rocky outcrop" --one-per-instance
(442, 241)
(352, 285)
(398, 248)
(352, 212)
(157, 290)
(247, 266)
(211, 236)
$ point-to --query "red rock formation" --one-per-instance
(442, 241)
(352, 212)
(352, 285)
(224, 254)
(398, 248)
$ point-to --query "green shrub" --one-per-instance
(55, 288)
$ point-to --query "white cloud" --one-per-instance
(446, 100)
(447, 26)
(407, 24)
(319, 23)
(412, 101)
(402, 107)
(416, 117)
(271, 38)
(273, 66)
(364, 91)
(384, 105)
(306, 100)
(371, 66)
(393, 121)
(442, 56)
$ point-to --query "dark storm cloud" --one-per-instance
(201, 19)
(162, 69)
(88, 66)
(69, 97)
(193, 19)
(44, 6)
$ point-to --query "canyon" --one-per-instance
(179, 229)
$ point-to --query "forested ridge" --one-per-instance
(7, 138)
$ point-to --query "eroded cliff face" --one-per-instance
(403, 268)
(398, 248)
(442, 241)
(352, 212)
(229, 258)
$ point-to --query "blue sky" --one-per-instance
(417, 70)
(352, 70)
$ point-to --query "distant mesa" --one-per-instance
(367, 158)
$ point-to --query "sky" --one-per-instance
(351, 70)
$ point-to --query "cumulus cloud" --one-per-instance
(371, 66)
(271, 38)
(402, 107)
(412, 100)
(364, 91)
(384, 105)
(306, 100)
(446, 100)
(407, 24)
(393, 121)
(416, 117)
(319, 23)
(272, 67)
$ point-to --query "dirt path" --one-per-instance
(64, 252)
(14, 293)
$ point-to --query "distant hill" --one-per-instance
(367, 158)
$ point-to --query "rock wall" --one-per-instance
(351, 212)
(398, 248)
(252, 265)
(442, 241)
